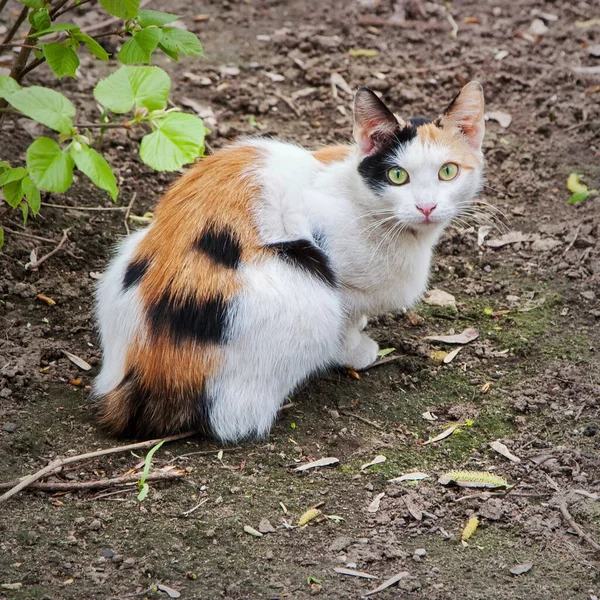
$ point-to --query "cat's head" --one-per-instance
(424, 173)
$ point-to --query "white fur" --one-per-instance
(286, 324)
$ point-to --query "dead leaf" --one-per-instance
(252, 531)
(276, 77)
(429, 416)
(413, 508)
(437, 297)
(413, 318)
(485, 388)
(95, 275)
(322, 462)
(452, 355)
(441, 436)
(172, 593)
(482, 233)
(500, 448)
(376, 461)
(337, 81)
(512, 237)
(388, 583)
(473, 20)
(307, 91)
(464, 337)
(374, 506)
(503, 118)
(77, 361)
(352, 373)
(414, 476)
(265, 526)
(362, 52)
(521, 569)
(46, 299)
(353, 573)
(201, 18)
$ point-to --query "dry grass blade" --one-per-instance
(321, 462)
(441, 436)
(500, 448)
(388, 583)
(353, 573)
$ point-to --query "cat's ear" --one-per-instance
(374, 124)
(466, 112)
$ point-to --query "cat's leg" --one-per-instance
(358, 350)
(285, 325)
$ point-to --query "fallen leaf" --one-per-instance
(485, 388)
(441, 436)
(362, 52)
(473, 20)
(473, 479)
(95, 275)
(220, 455)
(337, 81)
(352, 373)
(415, 476)
(201, 18)
(252, 531)
(307, 91)
(521, 569)
(308, 516)
(413, 318)
(276, 77)
(512, 237)
(46, 299)
(500, 448)
(429, 416)
(353, 573)
(388, 583)
(169, 591)
(464, 337)
(482, 233)
(469, 529)
(452, 355)
(376, 461)
(335, 518)
(503, 118)
(437, 297)
(265, 526)
(374, 506)
(385, 351)
(77, 361)
(322, 462)
(413, 508)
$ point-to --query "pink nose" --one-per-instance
(426, 209)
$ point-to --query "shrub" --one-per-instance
(132, 96)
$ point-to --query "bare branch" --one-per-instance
(33, 265)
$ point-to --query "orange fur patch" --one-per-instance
(450, 137)
(331, 154)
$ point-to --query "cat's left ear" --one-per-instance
(466, 112)
(375, 126)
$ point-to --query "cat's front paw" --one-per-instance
(362, 355)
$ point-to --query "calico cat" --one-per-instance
(263, 262)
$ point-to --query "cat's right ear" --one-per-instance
(375, 126)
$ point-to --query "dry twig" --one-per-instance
(371, 423)
(34, 264)
(128, 211)
(59, 462)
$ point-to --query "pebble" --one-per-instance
(10, 427)
(420, 552)
(95, 525)
(107, 553)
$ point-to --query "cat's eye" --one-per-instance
(448, 171)
(397, 176)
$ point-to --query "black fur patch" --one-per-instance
(305, 255)
(221, 246)
(134, 273)
(187, 319)
(373, 168)
(418, 121)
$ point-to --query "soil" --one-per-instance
(531, 379)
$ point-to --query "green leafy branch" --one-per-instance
(140, 92)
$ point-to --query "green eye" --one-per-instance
(448, 172)
(397, 176)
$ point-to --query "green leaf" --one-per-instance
(140, 47)
(179, 40)
(32, 193)
(49, 167)
(92, 45)
(131, 87)
(4, 166)
(61, 59)
(54, 28)
(178, 140)
(124, 9)
(25, 211)
(579, 196)
(40, 19)
(8, 86)
(45, 106)
(13, 192)
(15, 174)
(94, 165)
(170, 53)
(147, 18)
(33, 3)
(1, 237)
(143, 492)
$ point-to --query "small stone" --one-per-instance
(521, 569)
(588, 295)
(128, 563)
(340, 543)
(265, 526)
(118, 558)
(235, 490)
(10, 427)
(107, 553)
(211, 533)
(95, 525)
(420, 552)
(79, 521)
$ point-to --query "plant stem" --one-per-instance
(124, 125)
(62, 12)
(11, 45)
(13, 30)
(3, 3)
(31, 66)
(55, 11)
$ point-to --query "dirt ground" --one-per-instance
(531, 379)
